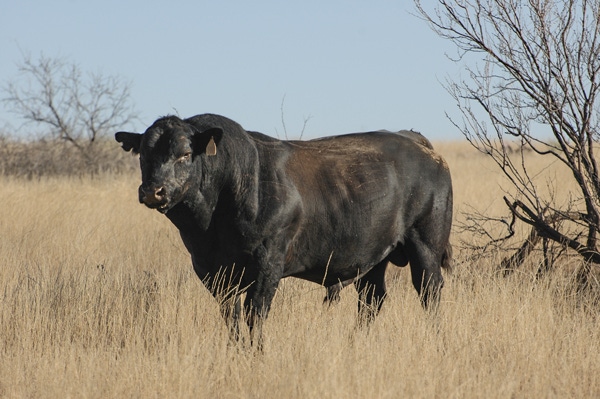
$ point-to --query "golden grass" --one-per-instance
(99, 300)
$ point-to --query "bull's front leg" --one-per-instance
(231, 311)
(225, 286)
(261, 292)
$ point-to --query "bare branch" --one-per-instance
(547, 231)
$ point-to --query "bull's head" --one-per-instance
(170, 151)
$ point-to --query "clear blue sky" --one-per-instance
(348, 65)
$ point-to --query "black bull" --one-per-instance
(252, 210)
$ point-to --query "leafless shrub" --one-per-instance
(55, 157)
(537, 85)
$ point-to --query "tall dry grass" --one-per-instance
(98, 300)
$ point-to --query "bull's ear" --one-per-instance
(208, 141)
(129, 141)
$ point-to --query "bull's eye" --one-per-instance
(184, 158)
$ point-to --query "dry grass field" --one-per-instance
(98, 300)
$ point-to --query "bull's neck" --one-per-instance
(238, 172)
(228, 192)
(193, 213)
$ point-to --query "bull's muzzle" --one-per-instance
(153, 196)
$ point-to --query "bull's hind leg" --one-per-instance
(425, 267)
(333, 292)
(372, 293)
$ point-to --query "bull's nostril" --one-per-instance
(160, 192)
(151, 195)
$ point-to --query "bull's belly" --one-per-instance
(331, 277)
(333, 250)
(333, 268)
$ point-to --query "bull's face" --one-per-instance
(171, 152)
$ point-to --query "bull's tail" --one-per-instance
(447, 258)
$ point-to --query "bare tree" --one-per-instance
(76, 107)
(537, 81)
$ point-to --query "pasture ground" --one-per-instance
(98, 299)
